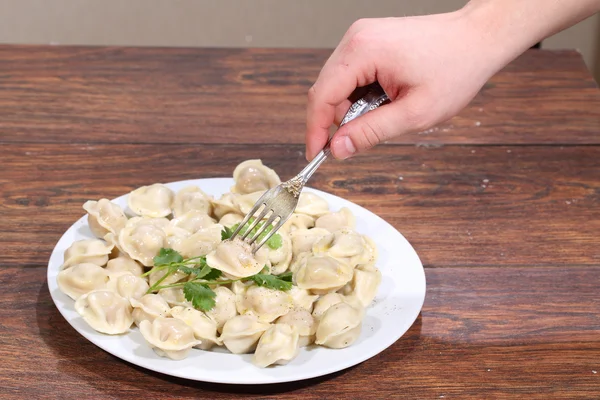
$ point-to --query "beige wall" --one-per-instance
(272, 23)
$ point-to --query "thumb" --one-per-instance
(399, 117)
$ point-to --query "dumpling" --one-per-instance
(312, 205)
(224, 308)
(157, 274)
(252, 176)
(224, 205)
(127, 285)
(298, 221)
(280, 258)
(235, 259)
(142, 240)
(113, 240)
(192, 221)
(105, 311)
(302, 298)
(246, 202)
(241, 333)
(81, 279)
(334, 221)
(151, 201)
(325, 303)
(200, 243)
(169, 337)
(371, 254)
(231, 219)
(363, 287)
(191, 198)
(304, 323)
(345, 245)
(149, 307)
(124, 264)
(104, 216)
(94, 251)
(267, 304)
(339, 327)
(174, 296)
(304, 239)
(322, 274)
(278, 345)
(205, 329)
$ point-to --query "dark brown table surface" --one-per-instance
(502, 203)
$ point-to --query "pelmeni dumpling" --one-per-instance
(334, 221)
(339, 327)
(304, 323)
(235, 259)
(104, 216)
(246, 202)
(205, 329)
(298, 221)
(345, 245)
(157, 274)
(124, 264)
(304, 239)
(81, 279)
(278, 345)
(127, 285)
(169, 337)
(224, 308)
(149, 307)
(142, 240)
(151, 201)
(253, 176)
(199, 243)
(325, 303)
(192, 221)
(174, 296)
(281, 257)
(94, 251)
(231, 219)
(363, 287)
(322, 274)
(191, 198)
(370, 257)
(267, 304)
(224, 205)
(113, 240)
(105, 311)
(241, 333)
(312, 205)
(302, 298)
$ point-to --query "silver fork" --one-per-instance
(281, 201)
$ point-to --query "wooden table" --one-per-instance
(502, 203)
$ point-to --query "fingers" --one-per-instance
(402, 116)
(329, 95)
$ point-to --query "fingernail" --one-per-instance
(345, 148)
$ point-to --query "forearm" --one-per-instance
(506, 28)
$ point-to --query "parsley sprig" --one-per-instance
(201, 277)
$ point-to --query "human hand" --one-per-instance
(431, 67)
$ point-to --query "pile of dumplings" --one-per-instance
(334, 274)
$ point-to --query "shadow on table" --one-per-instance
(78, 359)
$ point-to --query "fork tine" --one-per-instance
(271, 233)
(256, 221)
(264, 227)
(259, 203)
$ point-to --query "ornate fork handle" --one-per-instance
(374, 98)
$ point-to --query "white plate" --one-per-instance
(395, 308)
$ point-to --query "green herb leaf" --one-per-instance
(226, 233)
(201, 296)
(213, 274)
(275, 241)
(271, 282)
(167, 256)
(286, 276)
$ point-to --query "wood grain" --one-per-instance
(158, 95)
(483, 333)
(458, 205)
